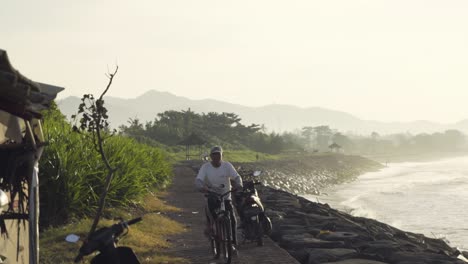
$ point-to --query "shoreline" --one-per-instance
(421, 157)
(383, 201)
(316, 233)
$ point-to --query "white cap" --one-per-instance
(216, 149)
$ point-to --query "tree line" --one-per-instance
(319, 139)
(172, 127)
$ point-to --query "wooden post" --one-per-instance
(33, 192)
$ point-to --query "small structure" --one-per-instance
(21, 146)
(335, 148)
(193, 140)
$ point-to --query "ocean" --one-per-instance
(430, 198)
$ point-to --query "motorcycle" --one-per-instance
(254, 222)
(104, 240)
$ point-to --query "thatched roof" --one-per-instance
(193, 139)
(19, 95)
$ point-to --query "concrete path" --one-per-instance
(193, 245)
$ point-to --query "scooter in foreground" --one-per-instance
(104, 240)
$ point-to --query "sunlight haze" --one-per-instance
(377, 60)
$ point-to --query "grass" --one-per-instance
(228, 155)
(247, 156)
(147, 238)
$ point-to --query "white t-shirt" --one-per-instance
(216, 177)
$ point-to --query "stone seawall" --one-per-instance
(315, 233)
(309, 174)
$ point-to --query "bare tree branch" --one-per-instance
(93, 124)
(111, 77)
(100, 143)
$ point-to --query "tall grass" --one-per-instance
(72, 173)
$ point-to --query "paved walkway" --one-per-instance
(193, 245)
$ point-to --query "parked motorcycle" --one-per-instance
(254, 222)
(104, 240)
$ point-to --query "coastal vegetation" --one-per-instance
(71, 171)
(170, 128)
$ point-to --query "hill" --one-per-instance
(275, 117)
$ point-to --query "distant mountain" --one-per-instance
(275, 117)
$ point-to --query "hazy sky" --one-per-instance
(394, 60)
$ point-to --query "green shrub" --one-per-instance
(72, 172)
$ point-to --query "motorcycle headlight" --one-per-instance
(3, 201)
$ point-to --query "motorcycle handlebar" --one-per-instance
(217, 194)
(134, 221)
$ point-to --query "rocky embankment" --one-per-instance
(309, 174)
(315, 233)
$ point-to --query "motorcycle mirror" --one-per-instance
(72, 238)
(257, 173)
